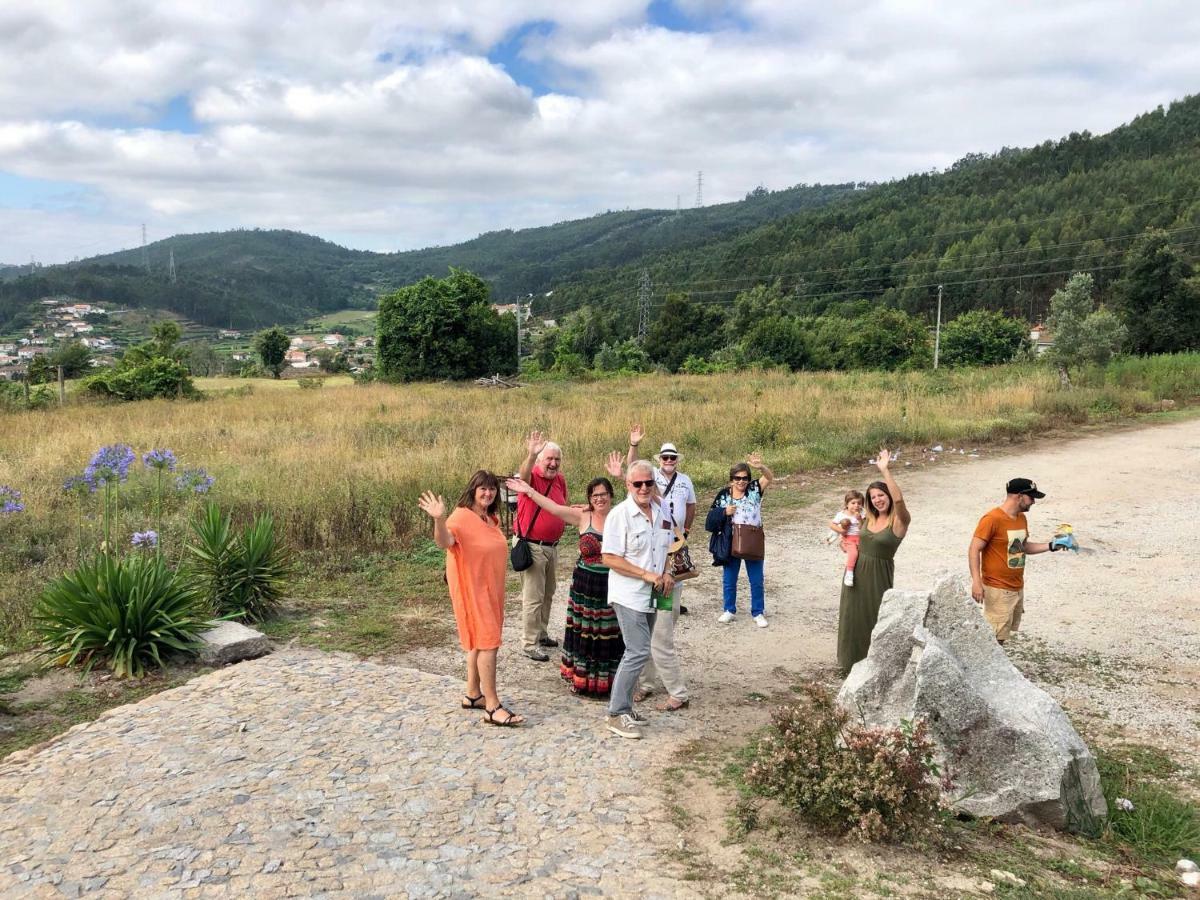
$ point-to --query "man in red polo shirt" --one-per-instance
(541, 470)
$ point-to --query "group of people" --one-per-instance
(626, 589)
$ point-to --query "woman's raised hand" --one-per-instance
(755, 460)
(433, 504)
(636, 433)
(884, 459)
(612, 464)
(516, 484)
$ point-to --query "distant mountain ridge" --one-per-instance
(999, 230)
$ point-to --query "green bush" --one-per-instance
(878, 783)
(1161, 826)
(130, 612)
(240, 576)
(157, 377)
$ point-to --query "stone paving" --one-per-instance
(310, 774)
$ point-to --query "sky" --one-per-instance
(393, 125)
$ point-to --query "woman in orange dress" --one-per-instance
(476, 557)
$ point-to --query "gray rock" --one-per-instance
(1009, 746)
(230, 642)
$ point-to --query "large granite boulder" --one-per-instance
(1009, 746)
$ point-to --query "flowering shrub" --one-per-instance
(110, 464)
(148, 539)
(10, 501)
(880, 784)
(161, 459)
(195, 481)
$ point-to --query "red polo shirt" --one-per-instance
(548, 527)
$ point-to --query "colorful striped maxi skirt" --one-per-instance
(592, 645)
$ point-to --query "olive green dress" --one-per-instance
(873, 574)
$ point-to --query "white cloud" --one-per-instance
(305, 122)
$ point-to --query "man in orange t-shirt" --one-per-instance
(997, 557)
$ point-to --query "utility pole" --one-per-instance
(643, 306)
(145, 252)
(699, 189)
(937, 334)
(62, 387)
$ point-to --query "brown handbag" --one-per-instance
(748, 542)
(680, 563)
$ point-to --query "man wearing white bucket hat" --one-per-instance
(678, 509)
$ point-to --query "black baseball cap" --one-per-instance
(1024, 486)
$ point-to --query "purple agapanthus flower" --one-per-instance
(110, 464)
(195, 480)
(78, 484)
(10, 501)
(145, 539)
(161, 459)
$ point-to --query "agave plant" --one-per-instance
(130, 612)
(242, 575)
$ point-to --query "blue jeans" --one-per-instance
(754, 572)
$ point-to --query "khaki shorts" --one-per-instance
(1003, 609)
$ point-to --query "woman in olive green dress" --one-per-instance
(887, 523)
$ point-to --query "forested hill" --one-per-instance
(253, 278)
(1000, 231)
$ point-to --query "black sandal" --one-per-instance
(470, 702)
(512, 721)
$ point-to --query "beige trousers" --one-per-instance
(537, 593)
(664, 660)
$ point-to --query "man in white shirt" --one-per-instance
(635, 550)
(679, 509)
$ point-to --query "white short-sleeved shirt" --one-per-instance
(855, 522)
(682, 493)
(641, 539)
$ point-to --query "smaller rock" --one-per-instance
(1006, 877)
(1191, 879)
(1186, 865)
(230, 642)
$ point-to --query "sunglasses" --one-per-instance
(666, 456)
(637, 485)
(740, 478)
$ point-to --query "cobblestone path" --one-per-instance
(309, 774)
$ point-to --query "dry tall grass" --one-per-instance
(341, 466)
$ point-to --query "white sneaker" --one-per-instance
(848, 578)
(760, 620)
(623, 725)
(725, 618)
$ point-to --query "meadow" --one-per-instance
(340, 466)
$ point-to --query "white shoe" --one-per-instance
(760, 620)
(623, 725)
(848, 578)
(725, 618)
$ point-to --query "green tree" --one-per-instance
(272, 346)
(443, 328)
(1082, 334)
(778, 340)
(889, 339)
(204, 361)
(982, 338)
(1157, 300)
(683, 328)
(40, 370)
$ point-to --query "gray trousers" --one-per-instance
(637, 629)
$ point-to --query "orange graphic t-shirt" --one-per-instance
(1004, 555)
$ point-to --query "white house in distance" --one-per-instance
(228, 333)
(1042, 339)
(295, 356)
(333, 340)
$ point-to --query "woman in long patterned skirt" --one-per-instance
(592, 645)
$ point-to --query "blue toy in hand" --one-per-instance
(1064, 539)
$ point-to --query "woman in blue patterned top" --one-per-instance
(741, 504)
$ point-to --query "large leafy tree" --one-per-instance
(272, 347)
(1157, 299)
(982, 338)
(1082, 334)
(443, 328)
(683, 328)
(889, 339)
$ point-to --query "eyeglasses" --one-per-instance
(599, 494)
(638, 485)
(740, 478)
(667, 456)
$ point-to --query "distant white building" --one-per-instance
(1042, 339)
(295, 357)
(228, 333)
(333, 340)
